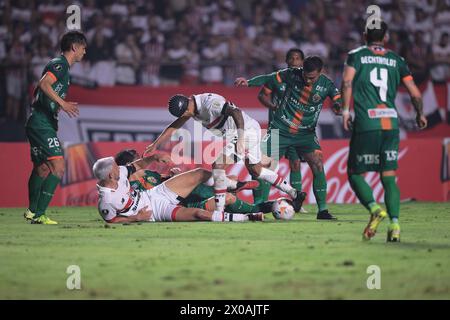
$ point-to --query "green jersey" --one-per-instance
(276, 94)
(378, 74)
(299, 105)
(149, 180)
(44, 109)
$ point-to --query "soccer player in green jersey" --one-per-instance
(269, 99)
(372, 75)
(295, 119)
(42, 126)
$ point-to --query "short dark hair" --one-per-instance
(125, 157)
(374, 34)
(294, 50)
(312, 63)
(71, 37)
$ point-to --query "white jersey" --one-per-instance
(123, 201)
(210, 112)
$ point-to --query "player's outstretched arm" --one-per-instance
(416, 100)
(253, 82)
(145, 161)
(165, 135)
(346, 90)
(45, 84)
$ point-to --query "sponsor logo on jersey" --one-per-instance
(369, 158)
(316, 98)
(58, 67)
(382, 113)
(320, 88)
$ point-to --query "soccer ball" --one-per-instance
(282, 209)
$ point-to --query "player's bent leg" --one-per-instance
(392, 200)
(315, 162)
(185, 182)
(37, 178)
(191, 214)
(56, 165)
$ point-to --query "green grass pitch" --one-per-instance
(298, 259)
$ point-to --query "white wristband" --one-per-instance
(345, 112)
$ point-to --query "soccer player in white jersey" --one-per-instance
(243, 135)
(118, 202)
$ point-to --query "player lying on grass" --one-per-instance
(201, 197)
(119, 203)
(243, 138)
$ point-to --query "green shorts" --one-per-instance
(44, 144)
(373, 151)
(276, 144)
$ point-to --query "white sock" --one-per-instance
(229, 182)
(228, 217)
(220, 189)
(277, 181)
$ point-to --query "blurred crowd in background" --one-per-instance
(172, 42)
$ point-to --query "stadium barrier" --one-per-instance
(423, 173)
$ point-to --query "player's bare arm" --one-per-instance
(145, 161)
(346, 90)
(417, 102)
(45, 84)
(266, 100)
(167, 132)
(236, 114)
(241, 82)
(143, 215)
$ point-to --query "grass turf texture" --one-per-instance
(298, 259)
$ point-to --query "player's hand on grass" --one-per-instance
(70, 108)
(144, 214)
(241, 82)
(347, 119)
(421, 121)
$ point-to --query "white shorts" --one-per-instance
(252, 143)
(164, 203)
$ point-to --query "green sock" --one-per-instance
(48, 188)
(295, 178)
(362, 190)
(242, 207)
(261, 193)
(391, 196)
(34, 190)
(320, 190)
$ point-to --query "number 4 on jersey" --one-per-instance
(381, 83)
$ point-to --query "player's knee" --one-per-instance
(57, 167)
(42, 170)
(202, 174)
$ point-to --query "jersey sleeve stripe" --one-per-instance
(336, 97)
(279, 78)
(407, 78)
(51, 75)
(55, 157)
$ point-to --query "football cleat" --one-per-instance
(244, 185)
(375, 219)
(325, 215)
(393, 234)
(43, 220)
(28, 215)
(298, 201)
(256, 216)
